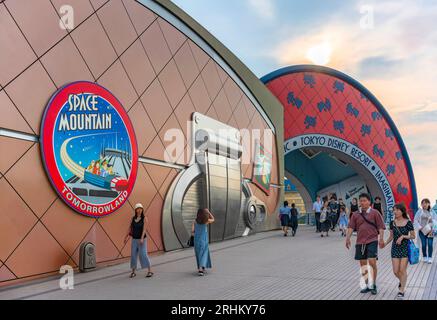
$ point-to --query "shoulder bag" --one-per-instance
(369, 222)
(413, 251)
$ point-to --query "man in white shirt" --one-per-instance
(317, 208)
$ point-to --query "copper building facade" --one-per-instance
(165, 69)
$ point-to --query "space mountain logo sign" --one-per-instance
(89, 148)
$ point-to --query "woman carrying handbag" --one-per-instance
(424, 221)
(401, 233)
(199, 230)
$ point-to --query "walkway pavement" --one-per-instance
(262, 266)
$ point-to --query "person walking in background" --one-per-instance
(343, 222)
(435, 207)
(340, 204)
(334, 214)
(137, 230)
(325, 223)
(354, 207)
(317, 208)
(423, 221)
(199, 229)
(285, 216)
(370, 227)
(377, 205)
(294, 214)
(401, 230)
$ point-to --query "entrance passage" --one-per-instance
(323, 171)
(338, 138)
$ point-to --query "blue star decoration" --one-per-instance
(391, 169)
(310, 122)
(376, 116)
(399, 155)
(389, 134)
(378, 152)
(339, 126)
(366, 129)
(338, 86)
(324, 105)
(309, 80)
(351, 110)
(402, 190)
(291, 99)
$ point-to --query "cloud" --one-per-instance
(422, 117)
(396, 61)
(265, 9)
(379, 65)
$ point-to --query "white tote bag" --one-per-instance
(426, 229)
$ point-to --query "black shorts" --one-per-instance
(284, 220)
(366, 251)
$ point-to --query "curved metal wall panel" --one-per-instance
(217, 165)
(193, 200)
(234, 197)
(217, 183)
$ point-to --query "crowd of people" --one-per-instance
(363, 218)
(330, 213)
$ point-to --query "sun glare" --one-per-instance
(320, 54)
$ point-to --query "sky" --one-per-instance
(388, 46)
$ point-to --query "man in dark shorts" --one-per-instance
(370, 227)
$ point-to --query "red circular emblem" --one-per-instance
(89, 148)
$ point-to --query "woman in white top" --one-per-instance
(423, 221)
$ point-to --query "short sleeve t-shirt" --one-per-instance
(366, 233)
(285, 210)
(317, 206)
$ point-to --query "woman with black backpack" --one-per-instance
(294, 219)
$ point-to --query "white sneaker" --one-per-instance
(425, 259)
(429, 261)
